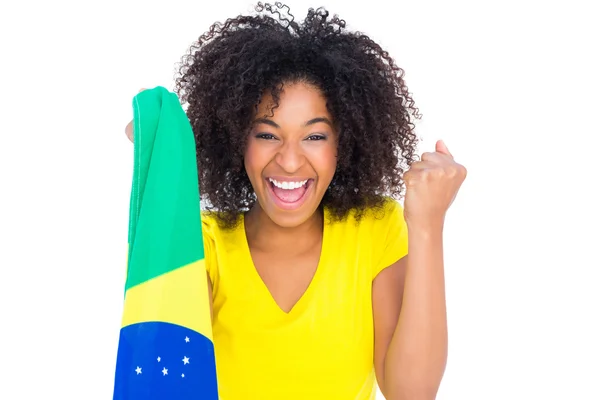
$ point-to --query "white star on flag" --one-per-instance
(185, 360)
(158, 359)
(165, 371)
(183, 375)
(138, 370)
(187, 339)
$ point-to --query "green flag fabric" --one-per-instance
(165, 347)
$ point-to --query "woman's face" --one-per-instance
(291, 156)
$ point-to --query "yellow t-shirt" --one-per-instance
(322, 348)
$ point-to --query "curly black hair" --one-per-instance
(225, 73)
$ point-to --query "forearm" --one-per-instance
(416, 358)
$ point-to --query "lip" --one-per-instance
(289, 206)
(284, 179)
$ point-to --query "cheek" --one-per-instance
(249, 161)
(254, 161)
(325, 163)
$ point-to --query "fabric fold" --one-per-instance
(165, 346)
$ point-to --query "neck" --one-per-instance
(264, 234)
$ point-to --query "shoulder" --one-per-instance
(211, 232)
(388, 219)
(378, 238)
(209, 223)
(222, 237)
(388, 211)
(390, 235)
(218, 241)
(375, 225)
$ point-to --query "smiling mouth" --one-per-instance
(289, 193)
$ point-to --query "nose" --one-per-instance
(290, 157)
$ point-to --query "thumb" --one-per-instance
(441, 147)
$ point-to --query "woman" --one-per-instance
(321, 283)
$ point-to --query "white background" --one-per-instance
(511, 86)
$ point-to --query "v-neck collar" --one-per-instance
(304, 300)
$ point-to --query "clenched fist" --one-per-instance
(431, 186)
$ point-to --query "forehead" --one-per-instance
(297, 101)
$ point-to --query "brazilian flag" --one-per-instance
(165, 346)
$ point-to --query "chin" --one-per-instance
(289, 219)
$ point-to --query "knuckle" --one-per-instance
(410, 176)
(426, 156)
(459, 171)
(437, 173)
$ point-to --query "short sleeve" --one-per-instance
(210, 251)
(393, 240)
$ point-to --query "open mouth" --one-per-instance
(289, 194)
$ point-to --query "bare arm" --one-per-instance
(409, 299)
(410, 320)
(388, 289)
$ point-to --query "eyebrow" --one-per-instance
(313, 121)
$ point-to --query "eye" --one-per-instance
(316, 137)
(265, 136)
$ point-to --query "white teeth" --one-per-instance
(288, 185)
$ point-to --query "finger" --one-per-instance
(441, 147)
(430, 157)
(420, 165)
(409, 176)
(415, 172)
(436, 158)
